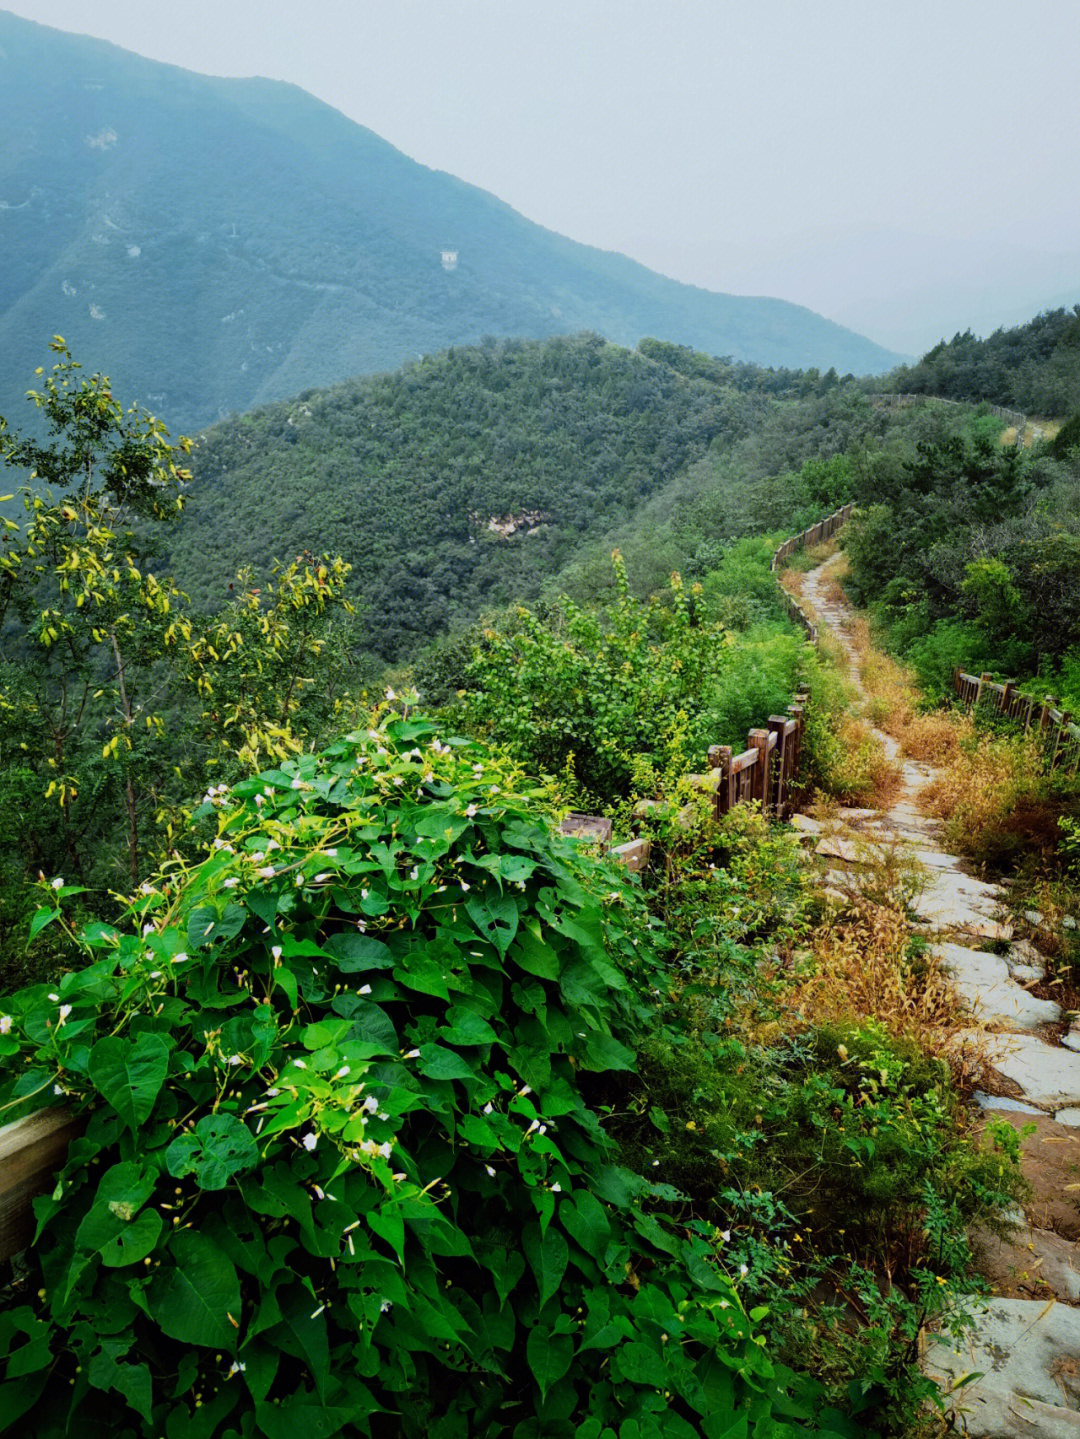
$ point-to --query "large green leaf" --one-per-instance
(129, 1074)
(549, 1355)
(584, 1219)
(495, 916)
(193, 1301)
(219, 1147)
(547, 1255)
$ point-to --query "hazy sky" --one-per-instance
(888, 164)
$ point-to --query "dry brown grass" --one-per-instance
(792, 581)
(864, 968)
(979, 795)
(893, 699)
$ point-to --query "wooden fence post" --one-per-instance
(759, 789)
(719, 758)
(778, 726)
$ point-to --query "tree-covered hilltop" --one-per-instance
(217, 243)
(1033, 367)
(417, 477)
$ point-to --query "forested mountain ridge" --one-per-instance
(1033, 367)
(417, 477)
(215, 244)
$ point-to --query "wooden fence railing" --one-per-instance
(1043, 719)
(33, 1149)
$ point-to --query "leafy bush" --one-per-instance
(340, 1171)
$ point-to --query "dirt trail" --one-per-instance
(1027, 1342)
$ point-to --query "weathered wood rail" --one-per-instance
(33, 1149)
(1044, 719)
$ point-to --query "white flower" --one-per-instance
(237, 1368)
(309, 1141)
(386, 1306)
(155, 974)
(299, 1064)
(494, 789)
(385, 1150)
(725, 1235)
(414, 873)
(147, 929)
(390, 695)
(398, 779)
(297, 784)
(272, 845)
(382, 1114)
(342, 1072)
(179, 958)
(5, 1023)
(364, 989)
(525, 1089)
(428, 777)
(743, 1270)
(260, 800)
(55, 998)
(380, 749)
(272, 1091)
(370, 1104)
(655, 1163)
(478, 769)
(257, 856)
(470, 810)
(57, 883)
(235, 1059)
(490, 1170)
(65, 1010)
(267, 872)
(331, 853)
(413, 1054)
(466, 887)
(556, 1188)
(146, 887)
(232, 883)
(488, 1108)
(276, 952)
(322, 878)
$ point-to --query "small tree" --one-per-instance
(114, 695)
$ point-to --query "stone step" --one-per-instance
(1047, 1075)
(1027, 1352)
(989, 991)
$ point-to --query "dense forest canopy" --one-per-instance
(1034, 367)
(416, 477)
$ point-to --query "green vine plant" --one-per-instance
(341, 1172)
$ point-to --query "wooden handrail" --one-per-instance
(31, 1151)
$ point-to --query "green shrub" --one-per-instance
(340, 1172)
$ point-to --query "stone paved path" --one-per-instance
(1026, 1349)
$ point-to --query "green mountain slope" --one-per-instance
(214, 244)
(471, 478)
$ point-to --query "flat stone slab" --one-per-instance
(956, 901)
(1028, 1353)
(805, 824)
(1048, 1076)
(938, 859)
(1070, 1116)
(989, 991)
(1015, 1106)
(1030, 1263)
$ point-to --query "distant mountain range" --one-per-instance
(213, 244)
